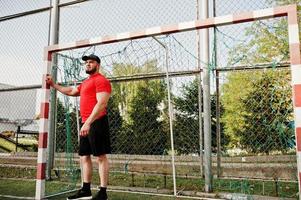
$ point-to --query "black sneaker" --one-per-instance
(81, 194)
(100, 196)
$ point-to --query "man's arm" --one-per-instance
(70, 91)
(102, 102)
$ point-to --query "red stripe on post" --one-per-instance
(47, 54)
(297, 95)
(41, 171)
(43, 137)
(295, 54)
(44, 110)
(245, 17)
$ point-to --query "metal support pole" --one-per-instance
(53, 39)
(78, 134)
(17, 135)
(170, 110)
(217, 110)
(218, 128)
(206, 99)
(200, 93)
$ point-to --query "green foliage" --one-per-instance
(250, 99)
(258, 110)
(116, 123)
(187, 120)
(124, 92)
(283, 2)
(267, 40)
(66, 124)
(234, 91)
(268, 114)
(148, 134)
(135, 120)
(186, 125)
(225, 139)
(268, 43)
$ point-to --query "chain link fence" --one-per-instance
(253, 140)
(138, 110)
(254, 108)
(18, 123)
(258, 130)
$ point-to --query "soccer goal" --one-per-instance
(155, 111)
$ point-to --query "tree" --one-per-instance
(268, 40)
(126, 91)
(134, 113)
(148, 135)
(268, 114)
(240, 97)
(234, 92)
(225, 139)
(186, 125)
(66, 129)
(187, 120)
(115, 122)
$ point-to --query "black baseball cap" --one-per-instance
(91, 57)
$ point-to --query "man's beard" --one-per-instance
(92, 71)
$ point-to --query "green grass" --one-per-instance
(250, 187)
(26, 188)
(127, 196)
(17, 187)
(23, 173)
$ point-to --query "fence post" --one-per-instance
(53, 39)
(206, 99)
(18, 131)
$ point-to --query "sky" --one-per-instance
(23, 39)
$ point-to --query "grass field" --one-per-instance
(26, 188)
(144, 181)
(248, 187)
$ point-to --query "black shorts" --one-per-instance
(98, 140)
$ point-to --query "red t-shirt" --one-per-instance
(88, 89)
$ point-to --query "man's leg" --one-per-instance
(85, 191)
(87, 168)
(102, 147)
(103, 169)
